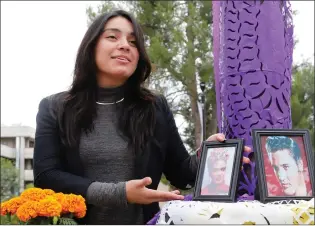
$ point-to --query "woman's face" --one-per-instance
(217, 172)
(116, 54)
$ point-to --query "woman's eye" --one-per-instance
(133, 42)
(111, 37)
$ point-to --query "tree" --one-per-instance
(178, 38)
(9, 176)
(302, 98)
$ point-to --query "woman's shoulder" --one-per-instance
(56, 98)
(159, 99)
(161, 104)
(53, 103)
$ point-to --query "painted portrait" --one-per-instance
(286, 168)
(218, 171)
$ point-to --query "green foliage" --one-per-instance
(302, 98)
(29, 185)
(106, 6)
(11, 220)
(9, 179)
(180, 45)
(67, 221)
(164, 180)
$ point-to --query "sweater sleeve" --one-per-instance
(100, 194)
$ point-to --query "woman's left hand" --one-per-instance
(220, 137)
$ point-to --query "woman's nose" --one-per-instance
(123, 44)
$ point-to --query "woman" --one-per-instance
(108, 138)
(217, 163)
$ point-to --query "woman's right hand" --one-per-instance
(137, 192)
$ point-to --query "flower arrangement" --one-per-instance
(44, 206)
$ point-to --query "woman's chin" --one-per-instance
(121, 74)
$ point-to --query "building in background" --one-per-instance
(17, 144)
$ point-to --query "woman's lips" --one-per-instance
(121, 58)
(124, 60)
(285, 185)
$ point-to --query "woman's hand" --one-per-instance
(137, 192)
(220, 137)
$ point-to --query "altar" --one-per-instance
(243, 212)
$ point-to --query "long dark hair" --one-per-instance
(136, 117)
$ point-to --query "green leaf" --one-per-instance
(55, 220)
(67, 221)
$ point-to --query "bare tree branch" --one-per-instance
(177, 91)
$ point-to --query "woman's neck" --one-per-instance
(110, 94)
(110, 81)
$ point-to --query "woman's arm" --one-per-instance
(180, 168)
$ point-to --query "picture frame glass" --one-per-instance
(217, 174)
(285, 163)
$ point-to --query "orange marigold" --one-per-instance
(11, 206)
(74, 204)
(49, 207)
(28, 210)
(58, 196)
(48, 191)
(80, 213)
(34, 194)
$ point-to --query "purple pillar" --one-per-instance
(253, 44)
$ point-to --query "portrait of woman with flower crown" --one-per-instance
(218, 171)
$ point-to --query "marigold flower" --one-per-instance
(11, 206)
(48, 191)
(36, 202)
(74, 204)
(4, 208)
(80, 213)
(49, 207)
(58, 196)
(28, 210)
(34, 194)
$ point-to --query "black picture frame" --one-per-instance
(236, 168)
(260, 168)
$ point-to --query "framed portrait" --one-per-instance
(218, 171)
(284, 164)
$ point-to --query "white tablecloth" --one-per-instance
(249, 212)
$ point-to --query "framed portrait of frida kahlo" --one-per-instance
(218, 171)
(284, 164)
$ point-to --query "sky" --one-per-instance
(39, 41)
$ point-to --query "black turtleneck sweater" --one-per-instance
(107, 160)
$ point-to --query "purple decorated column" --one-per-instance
(253, 44)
